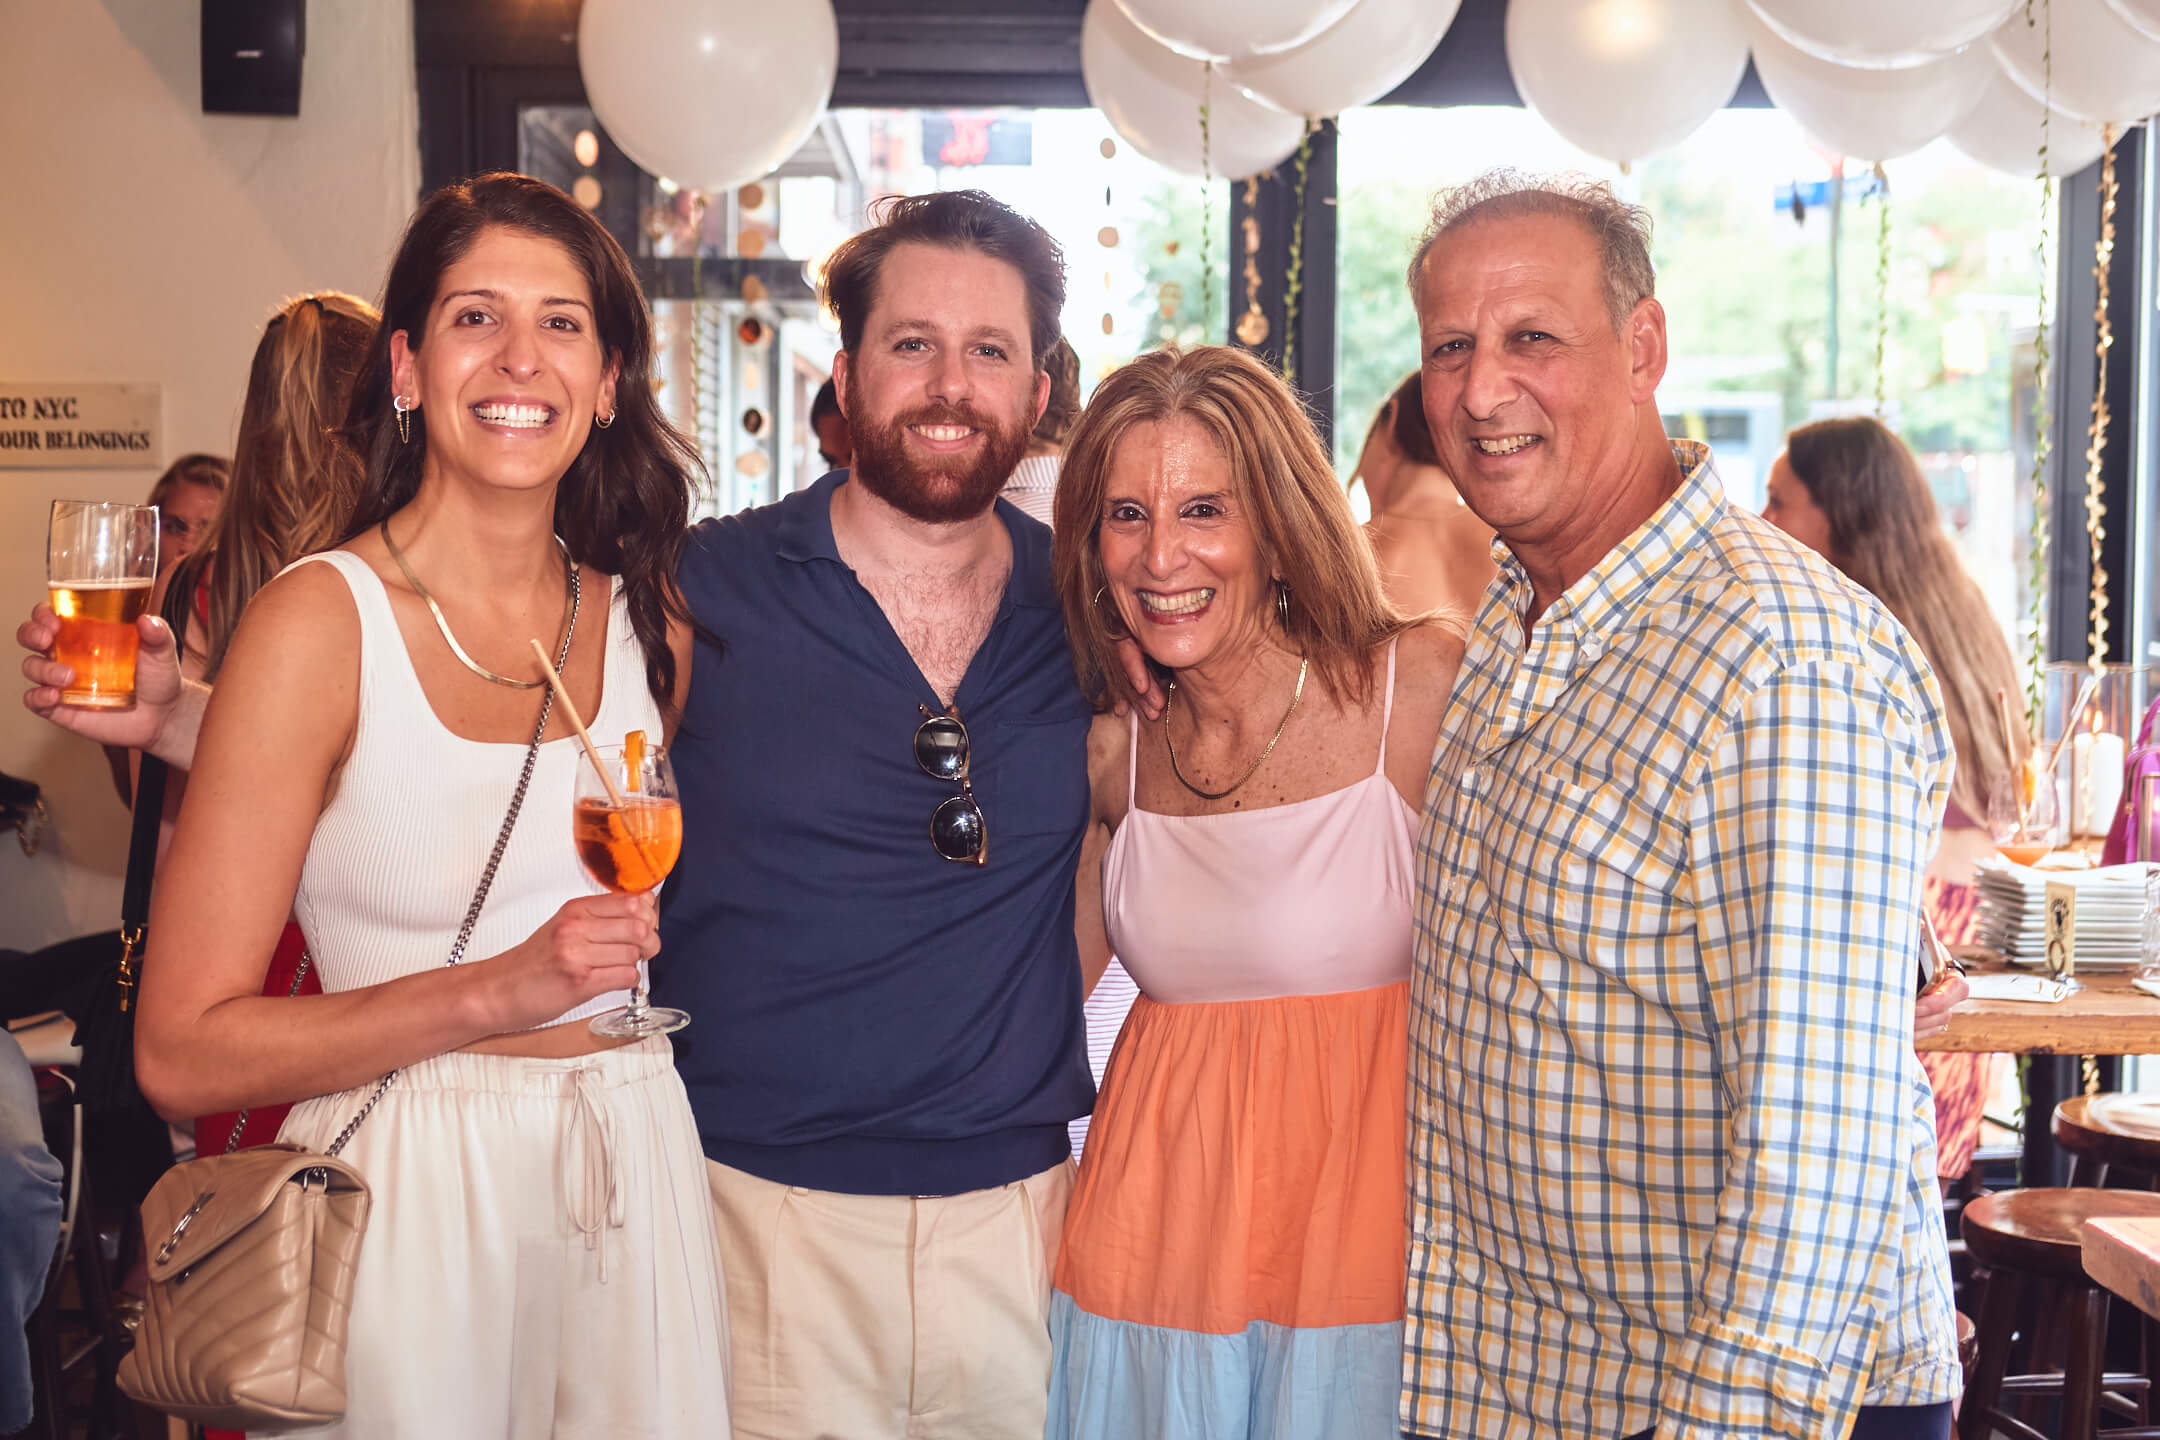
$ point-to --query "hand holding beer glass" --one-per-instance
(100, 562)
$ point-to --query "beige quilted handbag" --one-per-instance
(251, 1280)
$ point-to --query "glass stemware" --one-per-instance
(2021, 816)
(629, 833)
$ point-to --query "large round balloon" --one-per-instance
(2002, 132)
(1870, 114)
(1624, 79)
(1232, 29)
(2143, 15)
(1882, 34)
(2103, 70)
(1151, 95)
(710, 93)
(1361, 57)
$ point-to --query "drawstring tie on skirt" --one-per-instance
(592, 1192)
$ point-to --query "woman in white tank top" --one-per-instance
(540, 1257)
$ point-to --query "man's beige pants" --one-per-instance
(887, 1317)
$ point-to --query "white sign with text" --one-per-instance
(63, 425)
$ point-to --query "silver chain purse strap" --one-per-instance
(487, 878)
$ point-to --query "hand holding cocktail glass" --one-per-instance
(627, 823)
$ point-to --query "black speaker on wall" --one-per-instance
(251, 53)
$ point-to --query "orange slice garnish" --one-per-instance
(634, 757)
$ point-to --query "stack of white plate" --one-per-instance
(2110, 912)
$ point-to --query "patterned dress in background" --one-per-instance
(1960, 1081)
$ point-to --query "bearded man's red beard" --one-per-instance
(927, 490)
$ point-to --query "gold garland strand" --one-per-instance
(2096, 442)
(1207, 200)
(1252, 326)
(2036, 668)
(1294, 277)
(699, 409)
(1882, 287)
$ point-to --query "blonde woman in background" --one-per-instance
(289, 490)
(1850, 491)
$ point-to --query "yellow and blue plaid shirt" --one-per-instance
(1672, 1156)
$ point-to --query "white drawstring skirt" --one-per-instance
(540, 1258)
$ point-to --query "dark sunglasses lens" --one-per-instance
(956, 829)
(941, 747)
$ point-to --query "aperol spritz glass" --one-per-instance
(628, 827)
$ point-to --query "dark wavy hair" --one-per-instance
(1402, 415)
(954, 220)
(623, 506)
(1062, 410)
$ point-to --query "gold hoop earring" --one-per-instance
(1113, 624)
(404, 418)
(603, 421)
(1282, 604)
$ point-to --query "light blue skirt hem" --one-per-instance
(1115, 1380)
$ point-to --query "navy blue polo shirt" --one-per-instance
(867, 1016)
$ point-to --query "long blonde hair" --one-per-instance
(1887, 538)
(294, 480)
(1301, 519)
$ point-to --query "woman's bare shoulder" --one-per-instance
(1429, 652)
(301, 630)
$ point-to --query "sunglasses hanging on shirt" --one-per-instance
(957, 829)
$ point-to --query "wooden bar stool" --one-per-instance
(2105, 1131)
(2035, 1236)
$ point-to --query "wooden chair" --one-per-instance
(2105, 1133)
(2033, 1240)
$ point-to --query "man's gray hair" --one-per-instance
(1622, 231)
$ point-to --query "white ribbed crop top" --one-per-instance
(399, 849)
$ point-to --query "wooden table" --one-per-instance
(2107, 1017)
(2124, 1255)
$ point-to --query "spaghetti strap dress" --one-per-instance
(1233, 1259)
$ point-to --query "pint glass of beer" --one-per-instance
(100, 561)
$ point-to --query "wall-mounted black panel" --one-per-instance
(251, 54)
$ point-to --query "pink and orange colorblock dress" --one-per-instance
(1233, 1258)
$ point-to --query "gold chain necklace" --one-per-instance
(570, 599)
(1295, 696)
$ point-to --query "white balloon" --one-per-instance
(1232, 29)
(1361, 57)
(1882, 34)
(2143, 15)
(1624, 79)
(1151, 95)
(710, 93)
(2103, 70)
(2002, 132)
(1870, 114)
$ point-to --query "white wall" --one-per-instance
(143, 240)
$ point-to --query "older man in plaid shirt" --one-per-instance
(1671, 1151)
